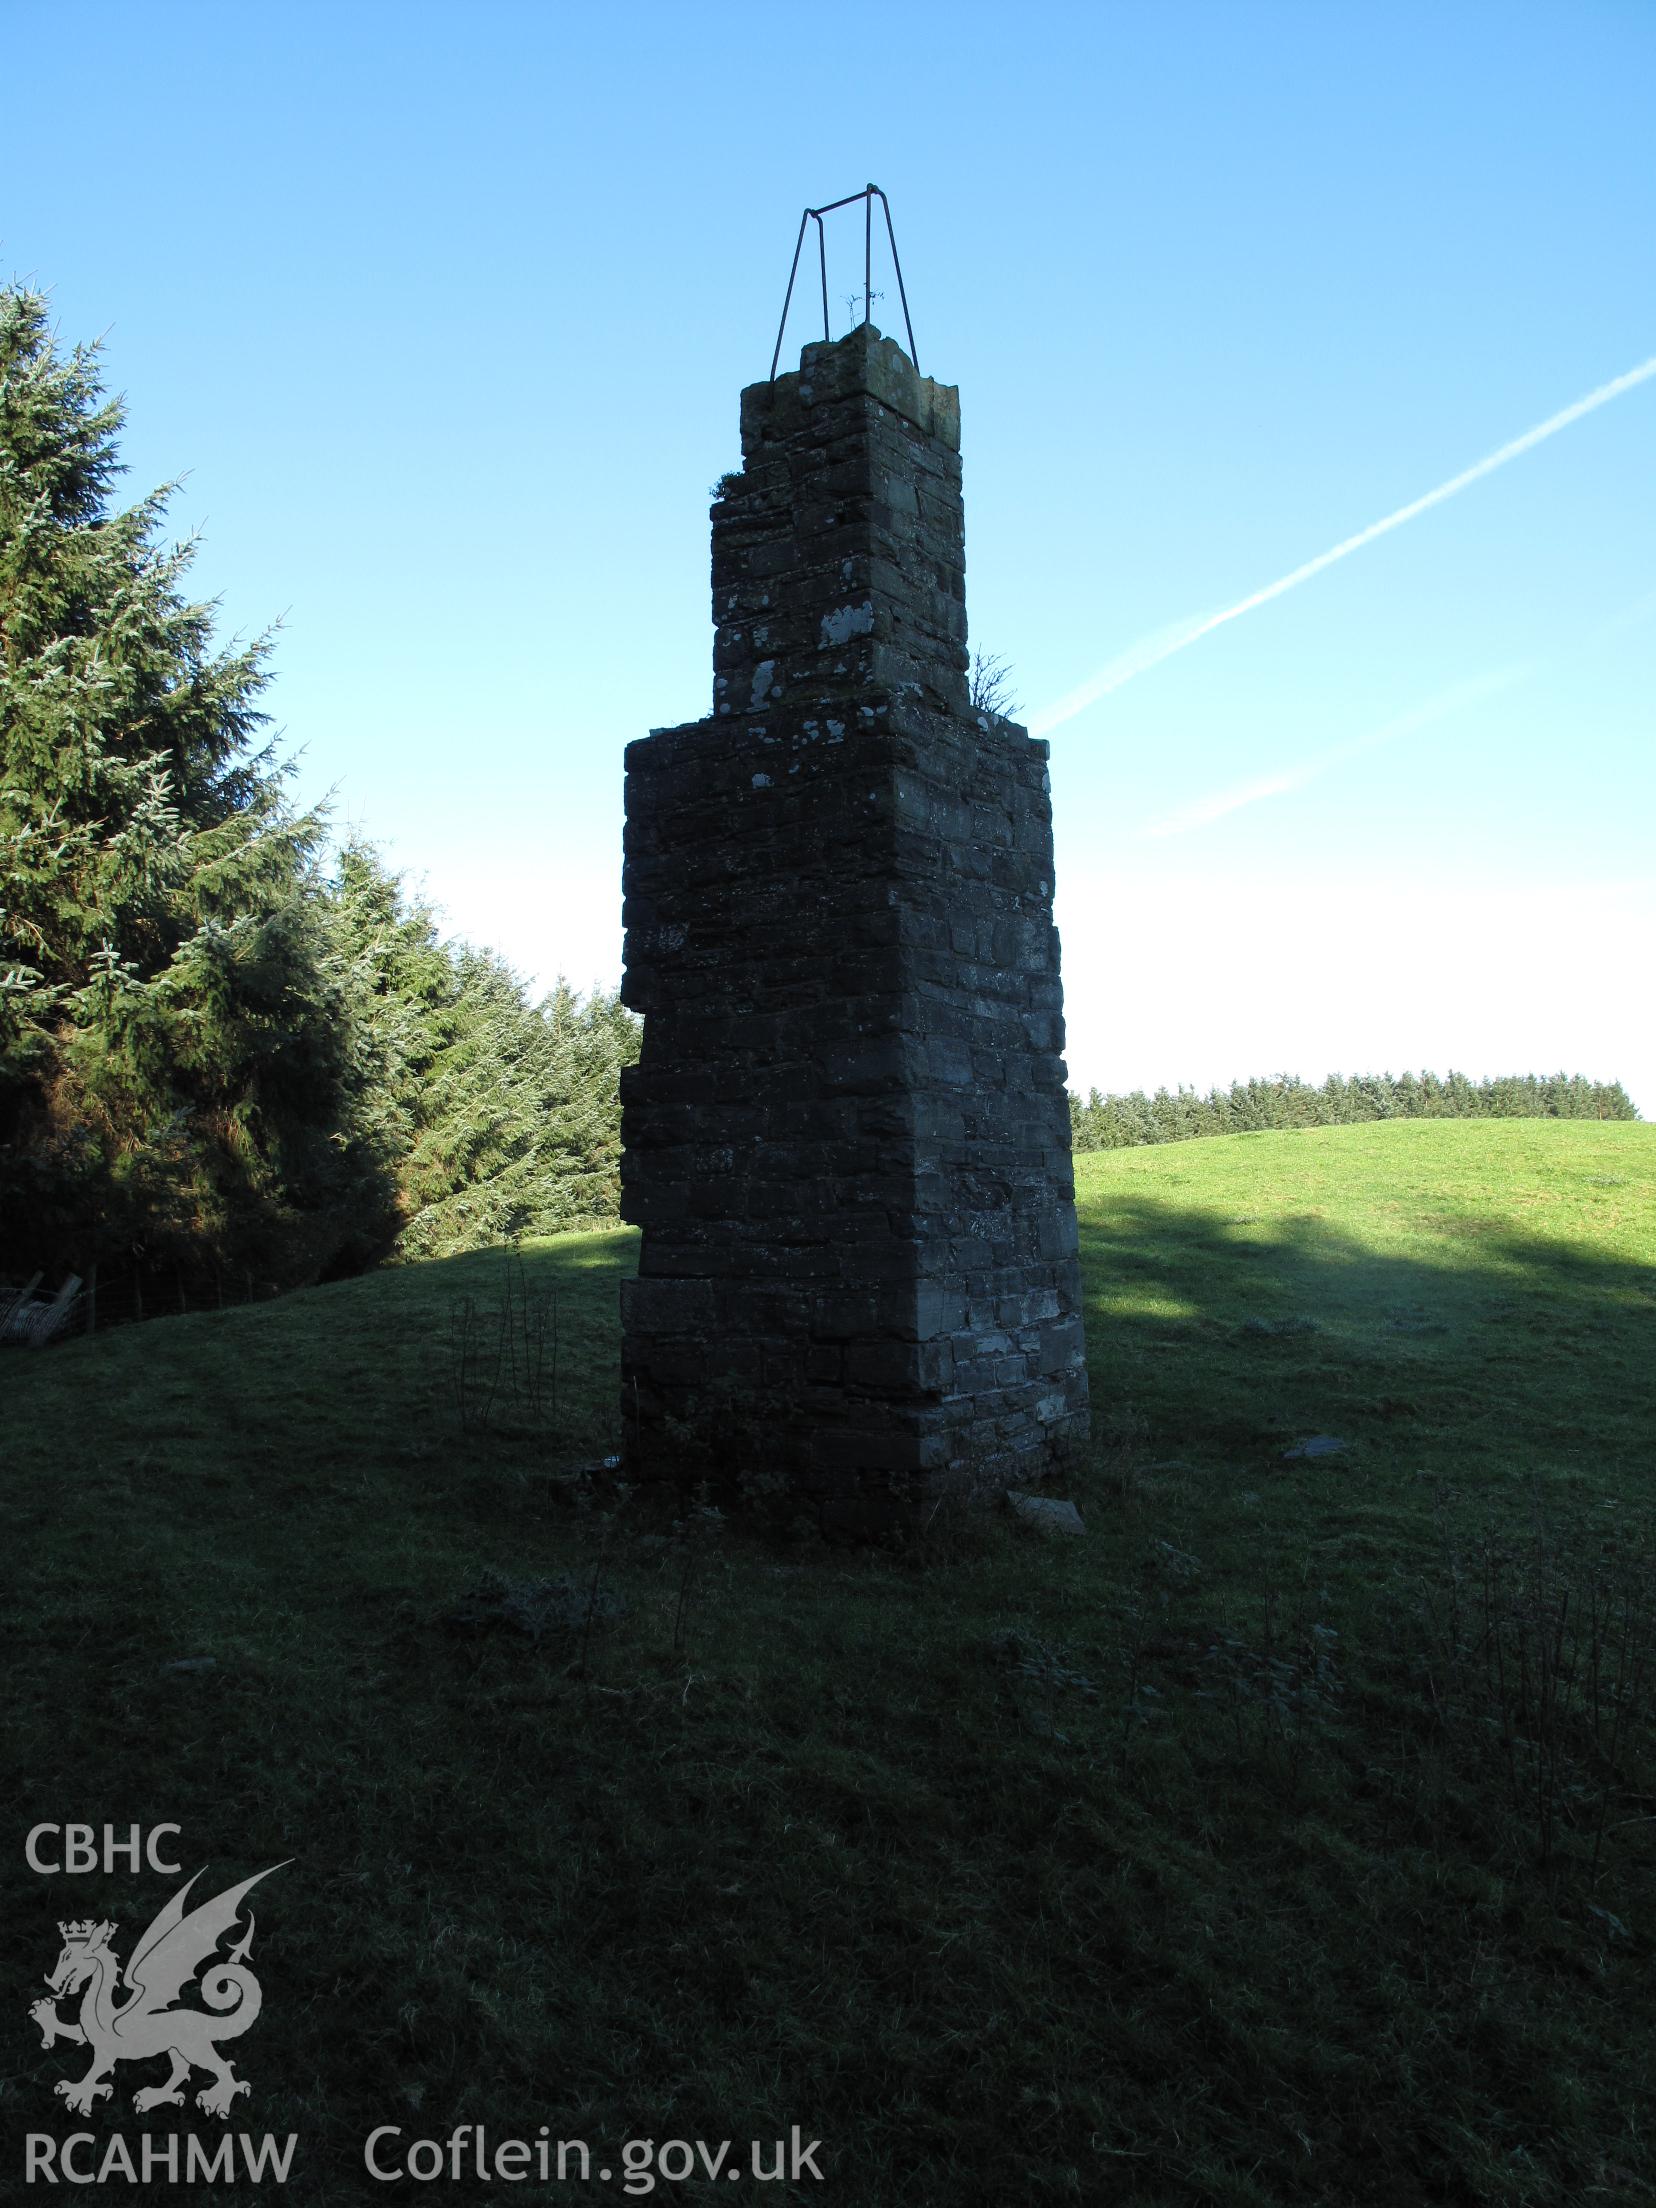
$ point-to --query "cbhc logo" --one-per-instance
(82, 1850)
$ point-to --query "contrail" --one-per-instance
(1152, 650)
(1208, 809)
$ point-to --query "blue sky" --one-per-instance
(444, 313)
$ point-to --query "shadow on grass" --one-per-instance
(1232, 1330)
(844, 1830)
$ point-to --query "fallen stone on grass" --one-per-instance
(600, 1468)
(533, 1607)
(1045, 1512)
(191, 1663)
(1319, 1445)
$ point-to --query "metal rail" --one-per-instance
(867, 195)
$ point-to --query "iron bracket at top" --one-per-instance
(867, 195)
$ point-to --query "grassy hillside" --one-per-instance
(1290, 1839)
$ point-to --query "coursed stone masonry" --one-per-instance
(847, 1138)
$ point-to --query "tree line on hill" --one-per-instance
(229, 1061)
(226, 1059)
(1119, 1122)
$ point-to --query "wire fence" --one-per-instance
(36, 1313)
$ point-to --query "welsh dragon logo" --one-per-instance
(148, 2022)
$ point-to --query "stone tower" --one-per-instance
(847, 1139)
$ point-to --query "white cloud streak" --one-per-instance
(1150, 651)
(1205, 810)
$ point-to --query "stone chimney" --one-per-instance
(847, 1138)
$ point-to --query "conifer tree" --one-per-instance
(504, 1114)
(176, 1084)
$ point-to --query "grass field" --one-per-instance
(1292, 1838)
